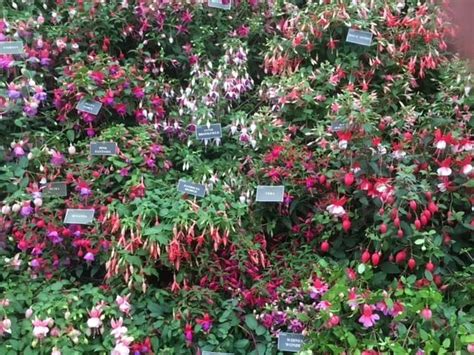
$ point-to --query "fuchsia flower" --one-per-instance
(319, 288)
(444, 169)
(98, 77)
(336, 207)
(5, 327)
(94, 322)
(188, 333)
(205, 322)
(118, 330)
(368, 318)
(41, 327)
(83, 188)
(123, 304)
(57, 159)
(344, 139)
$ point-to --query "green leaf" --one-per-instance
(390, 268)
(428, 275)
(251, 322)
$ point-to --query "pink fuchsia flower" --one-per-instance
(319, 288)
(426, 313)
(368, 318)
(94, 321)
(323, 305)
(188, 333)
(353, 299)
(5, 326)
(123, 304)
(40, 328)
(333, 321)
(118, 330)
(89, 256)
(120, 349)
(205, 322)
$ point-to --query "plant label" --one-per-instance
(220, 4)
(15, 47)
(290, 342)
(205, 132)
(364, 38)
(57, 188)
(205, 352)
(191, 188)
(77, 216)
(89, 106)
(270, 193)
(338, 126)
(103, 148)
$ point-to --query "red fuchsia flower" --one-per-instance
(205, 322)
(445, 168)
(442, 140)
(188, 333)
(336, 207)
(352, 299)
(83, 188)
(368, 318)
(318, 288)
(344, 139)
(466, 166)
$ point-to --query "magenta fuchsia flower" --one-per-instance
(368, 318)
(205, 322)
(188, 333)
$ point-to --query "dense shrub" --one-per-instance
(370, 250)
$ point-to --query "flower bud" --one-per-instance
(30, 156)
(6, 209)
(16, 207)
(38, 202)
(71, 150)
(28, 313)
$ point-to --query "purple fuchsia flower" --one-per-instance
(40, 94)
(205, 322)
(54, 236)
(31, 107)
(26, 209)
(6, 61)
(368, 318)
(14, 92)
(279, 317)
(89, 256)
(83, 189)
(18, 151)
(295, 326)
(188, 333)
(138, 92)
(57, 159)
(319, 288)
